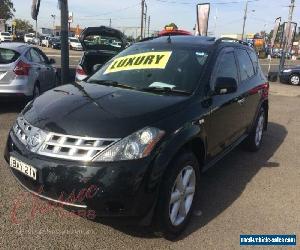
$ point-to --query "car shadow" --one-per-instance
(223, 184)
(11, 105)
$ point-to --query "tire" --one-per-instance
(36, 91)
(254, 140)
(294, 79)
(169, 216)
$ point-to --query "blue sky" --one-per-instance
(225, 16)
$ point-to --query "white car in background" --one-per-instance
(29, 37)
(74, 43)
(6, 37)
(46, 41)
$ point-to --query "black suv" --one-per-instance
(132, 140)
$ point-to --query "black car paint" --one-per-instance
(206, 123)
(284, 77)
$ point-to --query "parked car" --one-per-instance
(29, 37)
(25, 71)
(290, 75)
(133, 140)
(74, 43)
(98, 49)
(55, 42)
(20, 36)
(6, 37)
(46, 41)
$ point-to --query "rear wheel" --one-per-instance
(178, 195)
(254, 140)
(294, 79)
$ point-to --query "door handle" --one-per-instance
(242, 101)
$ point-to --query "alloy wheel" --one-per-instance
(182, 195)
(295, 80)
(259, 129)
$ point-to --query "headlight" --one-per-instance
(136, 146)
(287, 70)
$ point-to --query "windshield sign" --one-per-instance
(149, 60)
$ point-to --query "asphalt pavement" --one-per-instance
(246, 193)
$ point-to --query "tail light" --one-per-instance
(265, 89)
(80, 71)
(22, 69)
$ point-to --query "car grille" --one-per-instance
(74, 147)
(58, 145)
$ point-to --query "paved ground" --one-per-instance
(246, 193)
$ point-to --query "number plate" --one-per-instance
(23, 167)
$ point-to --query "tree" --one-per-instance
(23, 25)
(173, 25)
(6, 9)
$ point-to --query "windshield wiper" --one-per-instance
(111, 83)
(166, 90)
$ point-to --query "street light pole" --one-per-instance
(245, 18)
(64, 41)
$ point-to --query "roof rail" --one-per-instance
(233, 40)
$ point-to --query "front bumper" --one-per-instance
(119, 189)
(284, 77)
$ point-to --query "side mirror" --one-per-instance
(225, 85)
(97, 67)
(52, 61)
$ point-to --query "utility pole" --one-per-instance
(287, 38)
(245, 18)
(145, 19)
(149, 20)
(53, 16)
(64, 41)
(142, 19)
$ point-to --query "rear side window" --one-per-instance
(254, 59)
(8, 56)
(245, 64)
(226, 67)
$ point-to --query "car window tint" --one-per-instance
(35, 57)
(226, 67)
(245, 64)
(254, 59)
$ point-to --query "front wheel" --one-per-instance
(294, 79)
(178, 195)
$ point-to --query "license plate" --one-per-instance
(23, 167)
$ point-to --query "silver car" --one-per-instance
(25, 71)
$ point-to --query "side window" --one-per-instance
(35, 57)
(245, 64)
(254, 59)
(226, 67)
(42, 56)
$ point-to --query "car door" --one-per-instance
(226, 112)
(249, 83)
(49, 70)
(39, 68)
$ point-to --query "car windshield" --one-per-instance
(5, 34)
(96, 42)
(8, 56)
(29, 35)
(155, 66)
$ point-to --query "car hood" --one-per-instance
(99, 111)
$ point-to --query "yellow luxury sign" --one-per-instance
(149, 60)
